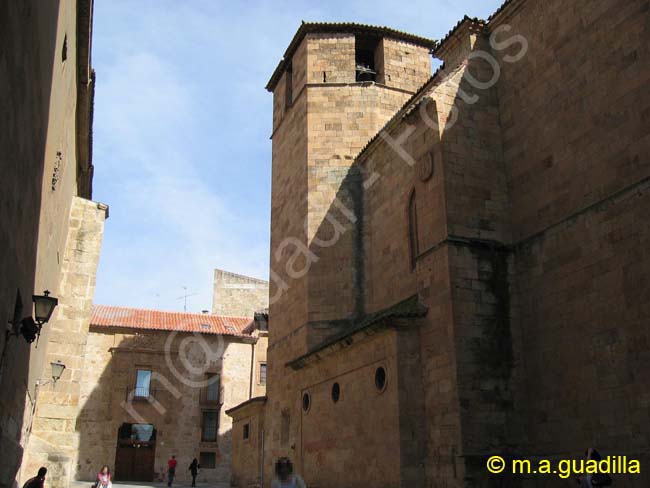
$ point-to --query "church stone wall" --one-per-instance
(289, 182)
(531, 258)
(314, 144)
(342, 116)
(574, 115)
(403, 65)
(542, 275)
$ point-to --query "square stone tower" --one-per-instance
(335, 88)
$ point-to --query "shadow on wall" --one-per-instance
(366, 255)
(28, 37)
(137, 413)
(492, 345)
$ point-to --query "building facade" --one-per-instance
(238, 295)
(248, 442)
(459, 260)
(157, 384)
(50, 230)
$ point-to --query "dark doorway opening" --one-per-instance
(136, 452)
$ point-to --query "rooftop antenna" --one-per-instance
(184, 297)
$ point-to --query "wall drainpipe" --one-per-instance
(250, 385)
(262, 461)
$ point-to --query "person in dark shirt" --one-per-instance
(194, 470)
(37, 481)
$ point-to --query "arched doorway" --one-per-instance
(136, 452)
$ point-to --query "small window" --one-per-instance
(208, 460)
(261, 321)
(264, 325)
(380, 378)
(414, 248)
(142, 383)
(288, 87)
(209, 425)
(246, 431)
(336, 392)
(306, 402)
(262, 373)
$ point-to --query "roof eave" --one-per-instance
(250, 401)
(342, 27)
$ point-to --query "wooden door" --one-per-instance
(134, 461)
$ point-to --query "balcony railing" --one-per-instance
(140, 394)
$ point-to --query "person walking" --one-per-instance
(596, 479)
(194, 470)
(37, 481)
(104, 478)
(285, 478)
(171, 470)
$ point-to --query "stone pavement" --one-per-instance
(143, 484)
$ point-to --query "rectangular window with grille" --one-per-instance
(208, 460)
(210, 425)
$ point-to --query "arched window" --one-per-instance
(414, 248)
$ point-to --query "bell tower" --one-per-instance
(335, 88)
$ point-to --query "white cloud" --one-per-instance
(182, 121)
(168, 227)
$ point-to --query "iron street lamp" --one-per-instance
(57, 371)
(44, 306)
(30, 328)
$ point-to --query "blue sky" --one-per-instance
(181, 133)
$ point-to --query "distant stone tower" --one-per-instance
(335, 88)
(235, 295)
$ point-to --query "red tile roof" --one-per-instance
(137, 318)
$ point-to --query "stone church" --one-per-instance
(460, 262)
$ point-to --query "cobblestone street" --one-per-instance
(135, 484)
